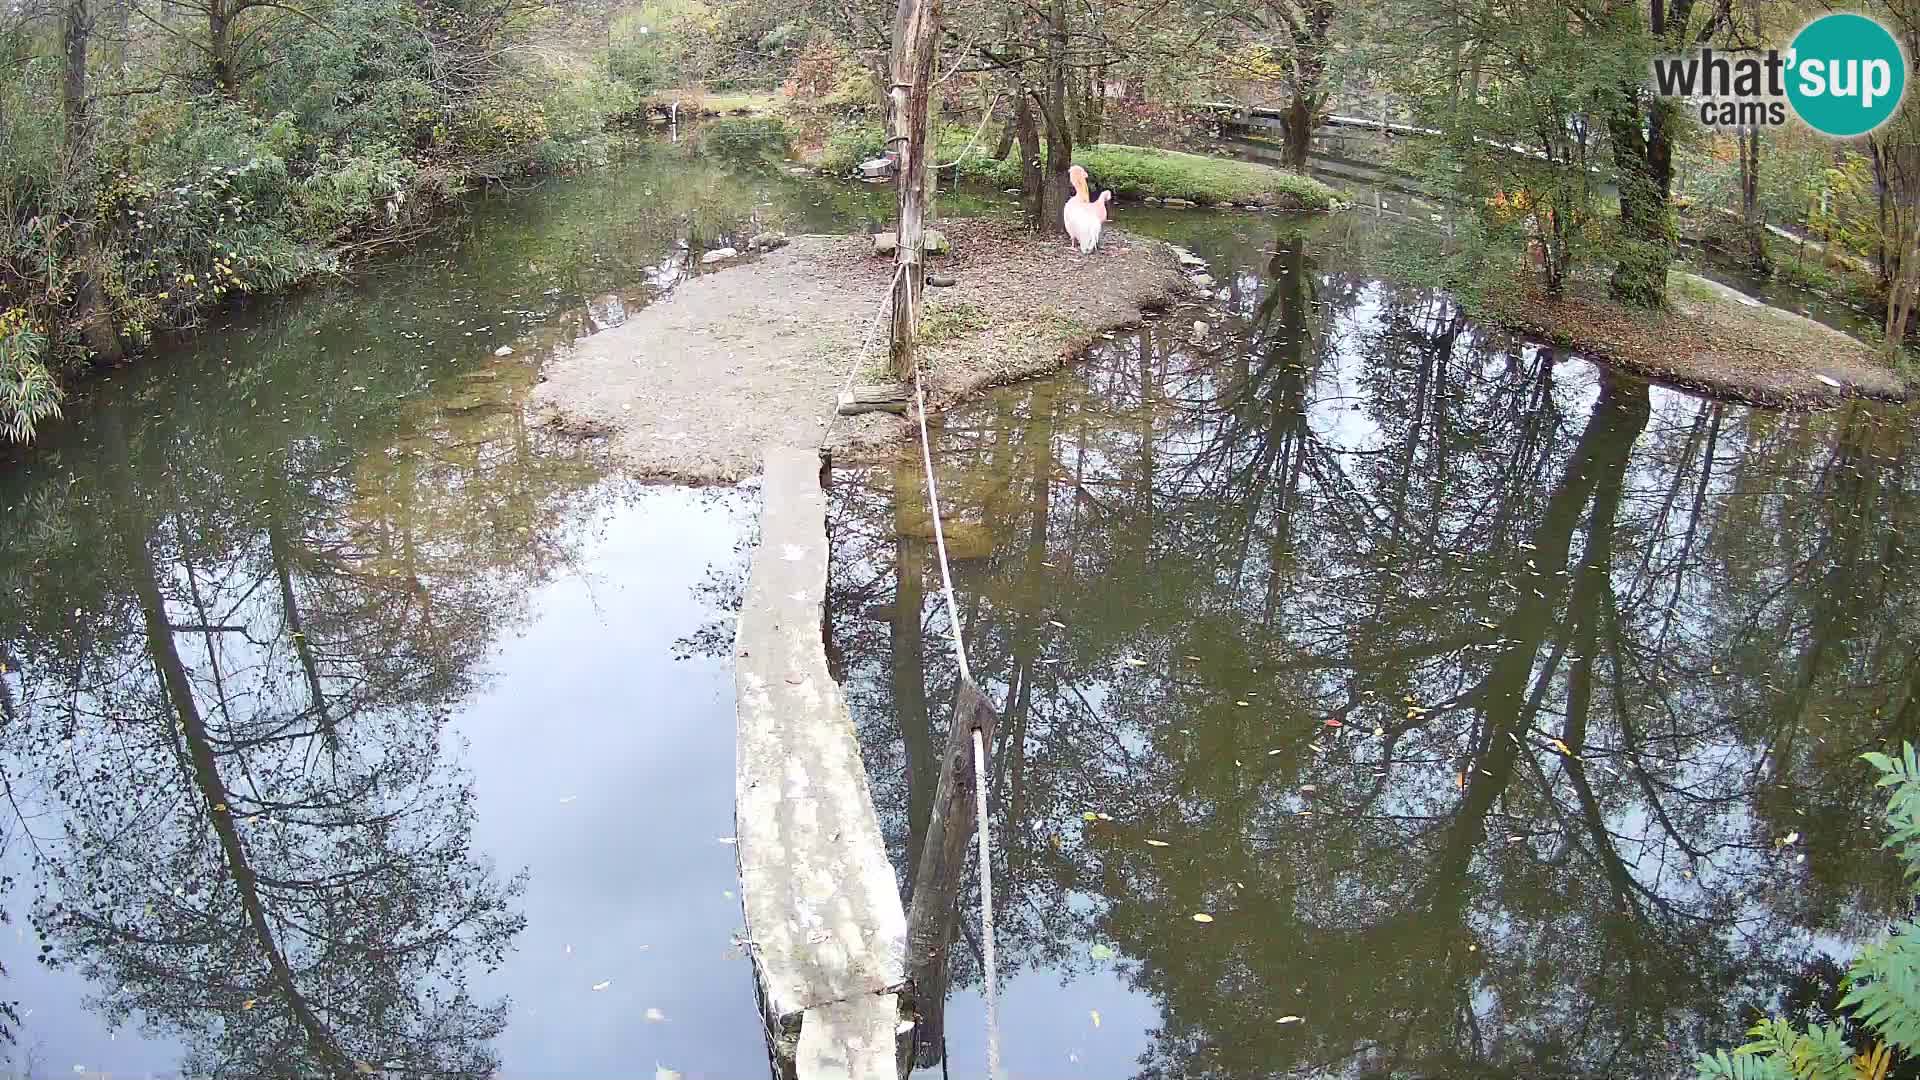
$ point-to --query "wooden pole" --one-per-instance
(933, 914)
(916, 30)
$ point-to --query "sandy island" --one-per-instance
(695, 384)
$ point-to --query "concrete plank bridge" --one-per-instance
(827, 929)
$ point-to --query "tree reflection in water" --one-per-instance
(1472, 689)
(229, 748)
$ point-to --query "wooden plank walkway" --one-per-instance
(823, 911)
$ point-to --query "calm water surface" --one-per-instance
(1471, 691)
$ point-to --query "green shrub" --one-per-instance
(28, 392)
(664, 43)
(363, 80)
(1882, 986)
(349, 191)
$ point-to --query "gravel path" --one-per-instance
(694, 385)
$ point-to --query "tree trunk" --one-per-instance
(220, 47)
(90, 312)
(1054, 112)
(1005, 146)
(1643, 150)
(1753, 225)
(916, 29)
(1033, 181)
(1309, 80)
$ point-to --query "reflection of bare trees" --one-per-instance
(1470, 689)
(236, 717)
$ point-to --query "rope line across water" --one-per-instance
(989, 976)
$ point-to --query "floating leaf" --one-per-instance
(1095, 1015)
(1289, 1020)
(1562, 747)
(661, 1072)
(247, 1004)
(1202, 917)
(602, 985)
(1157, 843)
(655, 1016)
(1101, 952)
(1090, 816)
(1134, 661)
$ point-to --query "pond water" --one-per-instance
(1472, 692)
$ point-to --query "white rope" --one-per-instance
(853, 369)
(986, 905)
(990, 976)
(939, 535)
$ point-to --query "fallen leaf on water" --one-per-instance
(1090, 816)
(1201, 916)
(1461, 781)
(1104, 817)
(247, 1004)
(1052, 622)
(661, 1072)
(1100, 952)
(602, 985)
(1243, 703)
(655, 1016)
(1562, 747)
(1791, 838)
(1157, 843)
(1288, 1020)
(567, 799)
(363, 1068)
(1134, 661)
(729, 839)
(1095, 1015)
(1193, 658)
(903, 1027)
(1308, 789)
(1334, 723)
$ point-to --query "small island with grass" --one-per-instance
(1708, 338)
(1132, 173)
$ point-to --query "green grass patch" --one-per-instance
(699, 101)
(1130, 172)
(945, 320)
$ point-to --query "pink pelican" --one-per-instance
(1082, 216)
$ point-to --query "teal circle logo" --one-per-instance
(1846, 75)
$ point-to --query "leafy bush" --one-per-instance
(1882, 986)
(663, 43)
(28, 392)
(364, 80)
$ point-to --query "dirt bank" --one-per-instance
(693, 386)
(1713, 340)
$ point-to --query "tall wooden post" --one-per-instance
(916, 31)
(933, 912)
